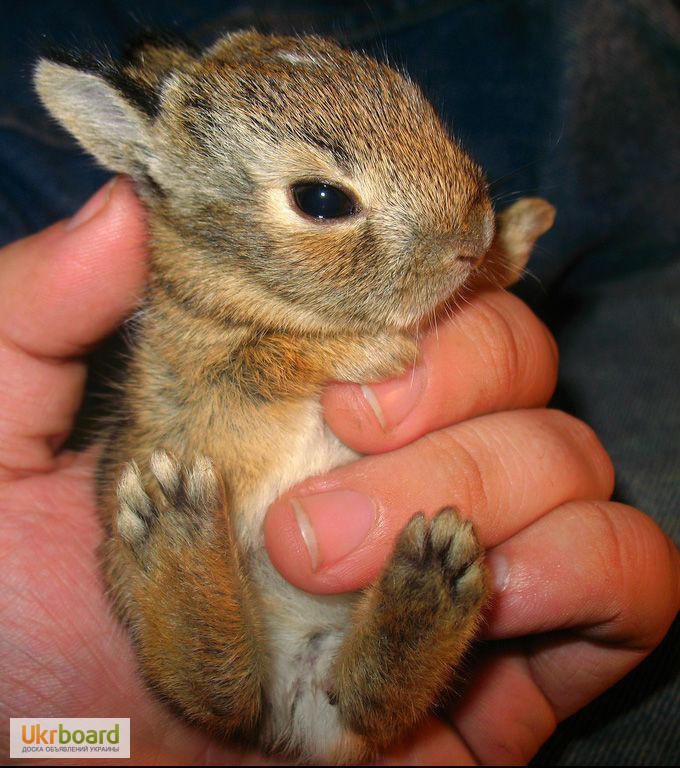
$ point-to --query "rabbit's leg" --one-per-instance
(173, 568)
(411, 629)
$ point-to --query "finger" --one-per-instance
(433, 742)
(603, 571)
(494, 354)
(62, 290)
(504, 716)
(504, 471)
(601, 567)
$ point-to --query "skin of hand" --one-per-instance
(584, 588)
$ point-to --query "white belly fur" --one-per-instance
(304, 631)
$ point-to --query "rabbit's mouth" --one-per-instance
(428, 292)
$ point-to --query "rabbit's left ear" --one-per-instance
(110, 115)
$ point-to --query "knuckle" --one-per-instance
(463, 477)
(499, 348)
(603, 539)
(643, 569)
(545, 358)
(652, 576)
(573, 428)
(537, 358)
(583, 439)
(521, 353)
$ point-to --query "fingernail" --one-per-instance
(92, 207)
(333, 524)
(500, 571)
(392, 401)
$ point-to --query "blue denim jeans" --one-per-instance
(574, 100)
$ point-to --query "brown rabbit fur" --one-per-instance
(251, 307)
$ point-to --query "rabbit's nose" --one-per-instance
(473, 238)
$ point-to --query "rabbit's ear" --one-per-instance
(109, 112)
(517, 229)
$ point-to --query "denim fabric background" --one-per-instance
(576, 100)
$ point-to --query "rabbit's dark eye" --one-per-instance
(323, 201)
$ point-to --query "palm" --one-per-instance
(66, 654)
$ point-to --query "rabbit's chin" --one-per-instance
(434, 300)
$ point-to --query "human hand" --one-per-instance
(584, 588)
(64, 655)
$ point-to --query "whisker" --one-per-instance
(508, 195)
(507, 175)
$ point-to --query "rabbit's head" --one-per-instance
(289, 182)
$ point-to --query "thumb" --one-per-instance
(68, 286)
(61, 291)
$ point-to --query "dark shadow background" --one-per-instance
(575, 100)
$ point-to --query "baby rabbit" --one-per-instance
(307, 210)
